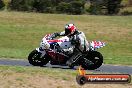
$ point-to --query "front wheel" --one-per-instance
(34, 58)
(92, 61)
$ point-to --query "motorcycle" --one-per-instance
(48, 52)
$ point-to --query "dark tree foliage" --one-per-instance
(71, 6)
(95, 6)
(1, 4)
(21, 5)
(130, 2)
(63, 7)
(77, 7)
(50, 6)
(30, 5)
(43, 6)
(110, 6)
(113, 6)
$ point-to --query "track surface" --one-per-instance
(102, 69)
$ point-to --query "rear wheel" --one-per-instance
(92, 61)
(34, 58)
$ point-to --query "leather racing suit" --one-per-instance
(78, 40)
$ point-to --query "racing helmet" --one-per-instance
(70, 29)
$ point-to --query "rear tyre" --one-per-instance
(93, 60)
(34, 58)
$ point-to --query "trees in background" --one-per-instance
(1, 4)
(49, 6)
(105, 6)
(21, 5)
(71, 7)
(65, 6)
(130, 2)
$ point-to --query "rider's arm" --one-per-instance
(54, 35)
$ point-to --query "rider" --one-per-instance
(77, 39)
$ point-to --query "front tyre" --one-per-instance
(34, 58)
(93, 60)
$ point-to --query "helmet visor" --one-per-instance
(67, 31)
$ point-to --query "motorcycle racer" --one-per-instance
(70, 49)
(77, 39)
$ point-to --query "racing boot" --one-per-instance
(73, 60)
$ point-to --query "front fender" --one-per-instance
(42, 52)
(38, 49)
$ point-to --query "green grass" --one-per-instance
(22, 32)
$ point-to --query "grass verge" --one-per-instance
(21, 32)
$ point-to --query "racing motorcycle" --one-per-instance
(48, 52)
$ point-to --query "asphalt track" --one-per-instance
(102, 69)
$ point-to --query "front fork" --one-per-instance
(43, 52)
